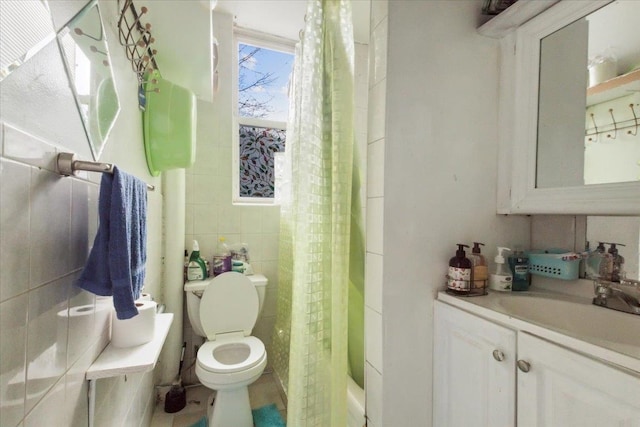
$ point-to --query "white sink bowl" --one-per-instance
(580, 319)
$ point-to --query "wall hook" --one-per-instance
(615, 125)
(595, 126)
(635, 121)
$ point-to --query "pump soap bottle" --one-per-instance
(459, 277)
(196, 269)
(617, 261)
(501, 278)
(480, 270)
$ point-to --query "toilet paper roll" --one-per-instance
(145, 297)
(135, 331)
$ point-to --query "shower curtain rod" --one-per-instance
(68, 166)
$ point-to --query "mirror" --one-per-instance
(589, 100)
(25, 28)
(84, 47)
(543, 113)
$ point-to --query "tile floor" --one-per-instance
(263, 392)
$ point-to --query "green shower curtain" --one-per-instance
(309, 345)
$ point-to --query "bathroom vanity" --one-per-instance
(534, 358)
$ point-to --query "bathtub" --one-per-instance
(355, 404)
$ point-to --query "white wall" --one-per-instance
(47, 226)
(440, 160)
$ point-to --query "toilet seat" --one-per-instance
(225, 356)
(232, 305)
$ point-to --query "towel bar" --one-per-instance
(68, 166)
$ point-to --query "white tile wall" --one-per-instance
(47, 226)
(374, 338)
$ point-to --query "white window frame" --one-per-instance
(267, 41)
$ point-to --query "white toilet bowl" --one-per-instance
(231, 359)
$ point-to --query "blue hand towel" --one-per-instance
(116, 264)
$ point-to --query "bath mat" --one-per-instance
(267, 416)
(202, 422)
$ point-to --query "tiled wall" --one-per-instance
(47, 226)
(375, 200)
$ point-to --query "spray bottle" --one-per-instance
(500, 279)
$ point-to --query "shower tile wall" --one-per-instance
(209, 212)
(47, 226)
(375, 202)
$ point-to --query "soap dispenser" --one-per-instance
(617, 261)
(500, 279)
(459, 277)
(480, 270)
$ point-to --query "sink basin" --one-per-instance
(577, 318)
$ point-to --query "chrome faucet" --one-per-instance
(611, 295)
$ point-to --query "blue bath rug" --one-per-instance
(267, 416)
(202, 422)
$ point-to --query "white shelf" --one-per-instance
(114, 361)
(617, 87)
(514, 16)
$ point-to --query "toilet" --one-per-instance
(224, 310)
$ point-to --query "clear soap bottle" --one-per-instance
(480, 271)
(500, 279)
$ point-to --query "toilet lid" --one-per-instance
(233, 355)
(229, 304)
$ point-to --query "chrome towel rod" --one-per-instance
(68, 166)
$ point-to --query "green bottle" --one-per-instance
(196, 269)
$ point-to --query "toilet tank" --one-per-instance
(260, 282)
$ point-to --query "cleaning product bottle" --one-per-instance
(221, 258)
(459, 277)
(519, 265)
(480, 270)
(196, 270)
(617, 261)
(501, 278)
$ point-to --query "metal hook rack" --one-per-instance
(611, 129)
(136, 38)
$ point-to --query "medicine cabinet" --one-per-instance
(544, 132)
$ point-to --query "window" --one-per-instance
(263, 72)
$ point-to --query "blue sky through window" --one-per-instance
(263, 79)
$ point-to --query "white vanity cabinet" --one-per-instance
(481, 366)
(474, 374)
(565, 388)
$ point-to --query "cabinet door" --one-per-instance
(472, 385)
(565, 389)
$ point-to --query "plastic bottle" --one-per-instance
(501, 278)
(459, 277)
(617, 261)
(606, 262)
(221, 258)
(519, 265)
(196, 270)
(480, 271)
